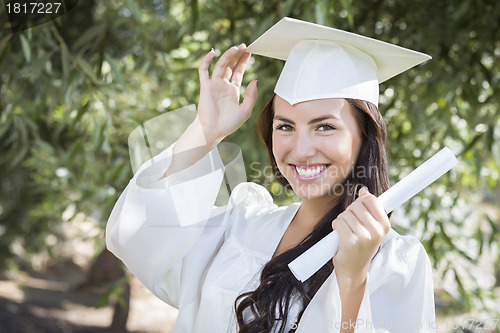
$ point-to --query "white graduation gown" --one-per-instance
(199, 258)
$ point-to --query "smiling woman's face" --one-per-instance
(315, 144)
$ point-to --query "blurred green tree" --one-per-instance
(73, 89)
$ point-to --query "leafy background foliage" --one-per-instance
(73, 89)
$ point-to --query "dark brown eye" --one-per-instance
(325, 127)
(284, 127)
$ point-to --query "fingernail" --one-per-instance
(212, 50)
(364, 190)
(243, 45)
(360, 191)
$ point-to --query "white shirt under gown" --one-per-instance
(199, 258)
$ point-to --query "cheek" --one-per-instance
(278, 147)
(340, 150)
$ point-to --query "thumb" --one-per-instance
(250, 97)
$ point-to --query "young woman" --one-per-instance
(225, 268)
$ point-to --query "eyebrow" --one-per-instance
(312, 121)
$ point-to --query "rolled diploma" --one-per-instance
(309, 262)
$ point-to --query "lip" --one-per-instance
(312, 178)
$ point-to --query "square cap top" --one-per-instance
(324, 62)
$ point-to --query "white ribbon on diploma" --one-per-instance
(309, 262)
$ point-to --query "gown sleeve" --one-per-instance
(401, 290)
(156, 223)
(398, 297)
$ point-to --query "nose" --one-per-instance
(303, 146)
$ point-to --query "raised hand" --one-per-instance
(219, 110)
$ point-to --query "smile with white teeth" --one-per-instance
(309, 172)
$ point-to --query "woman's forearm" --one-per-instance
(190, 148)
(351, 294)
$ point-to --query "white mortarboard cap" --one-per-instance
(323, 62)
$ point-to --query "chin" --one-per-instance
(313, 191)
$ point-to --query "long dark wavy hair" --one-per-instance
(268, 305)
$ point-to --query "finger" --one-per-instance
(375, 208)
(250, 97)
(205, 62)
(229, 71)
(340, 224)
(240, 67)
(355, 225)
(225, 60)
(365, 217)
(345, 233)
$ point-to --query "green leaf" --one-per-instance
(82, 110)
(87, 69)
(494, 228)
(89, 37)
(76, 150)
(70, 89)
(4, 42)
(145, 67)
(194, 14)
(26, 48)
(347, 7)
(65, 61)
(96, 133)
(118, 76)
(105, 298)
